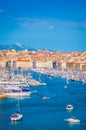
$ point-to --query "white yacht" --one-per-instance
(72, 120)
(16, 117)
(45, 97)
(69, 107)
(17, 92)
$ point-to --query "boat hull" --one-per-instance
(71, 120)
(16, 117)
(17, 94)
(69, 107)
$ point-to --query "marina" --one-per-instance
(42, 65)
(46, 105)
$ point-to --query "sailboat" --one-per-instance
(14, 86)
(17, 116)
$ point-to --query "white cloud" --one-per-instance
(32, 23)
(19, 44)
(49, 24)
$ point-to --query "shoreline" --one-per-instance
(69, 74)
(2, 96)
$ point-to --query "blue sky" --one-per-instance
(44, 24)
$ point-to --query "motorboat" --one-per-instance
(69, 107)
(45, 97)
(16, 117)
(72, 120)
(65, 86)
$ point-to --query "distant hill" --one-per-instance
(17, 47)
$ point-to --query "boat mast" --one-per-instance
(18, 104)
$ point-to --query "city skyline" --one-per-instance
(46, 24)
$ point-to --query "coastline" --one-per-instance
(2, 96)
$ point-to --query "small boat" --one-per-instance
(69, 107)
(16, 117)
(45, 98)
(65, 86)
(72, 120)
(42, 83)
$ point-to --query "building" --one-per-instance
(24, 64)
(42, 64)
(3, 62)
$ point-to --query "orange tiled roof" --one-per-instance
(23, 60)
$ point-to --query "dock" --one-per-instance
(2, 96)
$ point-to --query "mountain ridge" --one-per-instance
(16, 47)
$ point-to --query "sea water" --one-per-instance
(49, 113)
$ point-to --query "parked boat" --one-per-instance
(16, 93)
(13, 88)
(2, 96)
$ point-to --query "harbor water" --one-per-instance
(45, 109)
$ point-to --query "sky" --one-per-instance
(58, 25)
